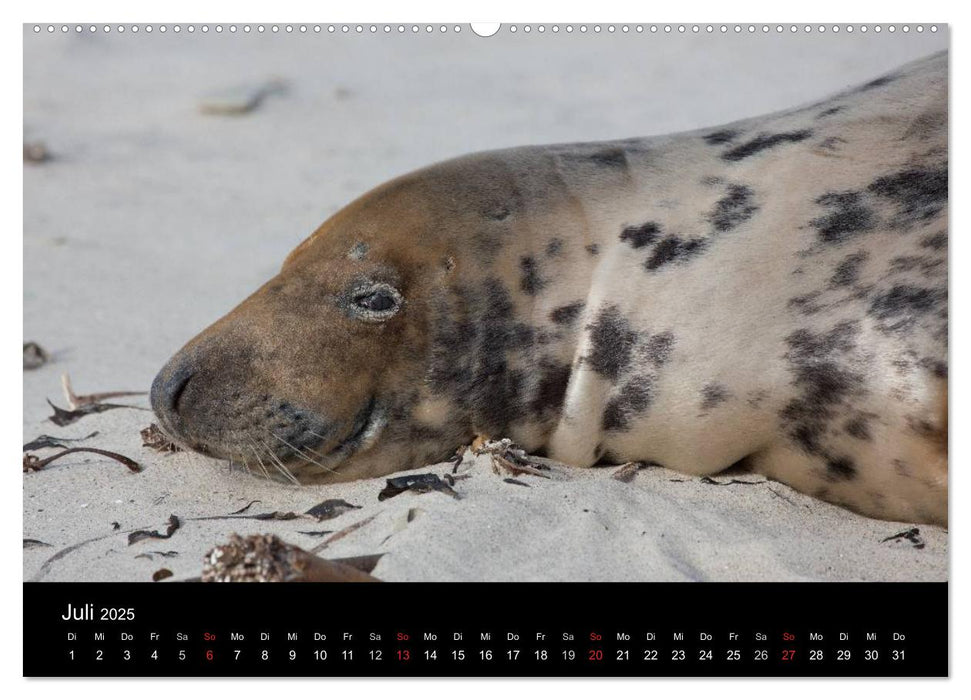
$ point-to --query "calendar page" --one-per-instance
(545, 349)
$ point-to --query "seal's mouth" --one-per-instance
(368, 424)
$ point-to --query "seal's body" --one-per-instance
(772, 293)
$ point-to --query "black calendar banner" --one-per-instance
(486, 629)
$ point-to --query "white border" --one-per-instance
(602, 11)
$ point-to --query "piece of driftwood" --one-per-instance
(267, 558)
(32, 463)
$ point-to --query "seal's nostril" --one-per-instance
(168, 388)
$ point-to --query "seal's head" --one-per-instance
(320, 373)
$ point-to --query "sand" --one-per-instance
(152, 219)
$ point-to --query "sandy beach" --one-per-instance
(152, 218)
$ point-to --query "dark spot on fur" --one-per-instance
(935, 241)
(879, 82)
(848, 217)
(712, 395)
(658, 348)
(717, 138)
(848, 271)
(554, 247)
(806, 303)
(673, 249)
(632, 399)
(756, 398)
(936, 367)
(900, 307)
(831, 143)
(613, 342)
(593, 249)
(530, 281)
(925, 428)
(610, 157)
(841, 468)
(734, 208)
(565, 315)
(498, 214)
(475, 340)
(640, 236)
(859, 427)
(806, 346)
(821, 374)
(926, 265)
(828, 112)
(764, 142)
(905, 263)
(919, 193)
(551, 389)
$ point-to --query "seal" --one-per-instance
(768, 295)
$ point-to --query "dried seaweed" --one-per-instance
(154, 438)
(43, 441)
(275, 515)
(730, 482)
(517, 482)
(241, 99)
(35, 544)
(75, 402)
(170, 554)
(172, 525)
(62, 417)
(625, 473)
(244, 508)
(457, 461)
(33, 463)
(785, 498)
(450, 479)
(329, 509)
(315, 533)
(912, 535)
(419, 483)
(516, 469)
(509, 457)
(34, 355)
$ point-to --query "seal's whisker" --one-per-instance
(302, 454)
(279, 465)
(242, 462)
(316, 435)
(259, 460)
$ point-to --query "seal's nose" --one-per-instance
(168, 386)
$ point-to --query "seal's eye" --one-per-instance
(375, 302)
